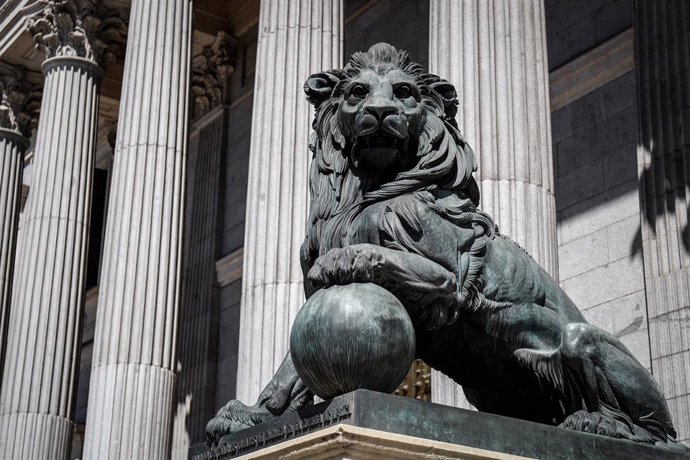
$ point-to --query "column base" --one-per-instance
(31, 436)
(365, 425)
(131, 399)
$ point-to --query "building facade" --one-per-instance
(153, 191)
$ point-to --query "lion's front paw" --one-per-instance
(360, 263)
(230, 419)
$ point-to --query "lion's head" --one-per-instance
(383, 127)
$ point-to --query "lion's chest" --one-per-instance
(366, 228)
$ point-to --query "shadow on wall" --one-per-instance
(664, 196)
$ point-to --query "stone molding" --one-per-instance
(211, 72)
(347, 441)
(229, 268)
(78, 28)
(592, 70)
(20, 103)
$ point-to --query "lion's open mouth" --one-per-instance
(379, 149)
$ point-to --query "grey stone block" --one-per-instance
(591, 109)
(567, 20)
(235, 213)
(606, 137)
(600, 211)
(569, 42)
(621, 166)
(231, 295)
(228, 333)
(226, 381)
(600, 316)
(638, 344)
(564, 13)
(629, 313)
(579, 183)
(233, 238)
(582, 254)
(402, 23)
(605, 283)
(624, 238)
(613, 18)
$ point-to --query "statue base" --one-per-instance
(366, 424)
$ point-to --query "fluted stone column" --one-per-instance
(134, 358)
(19, 103)
(40, 374)
(296, 39)
(662, 40)
(495, 55)
(199, 309)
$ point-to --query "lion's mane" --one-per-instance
(443, 162)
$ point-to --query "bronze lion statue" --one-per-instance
(394, 202)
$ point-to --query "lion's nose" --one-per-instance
(380, 111)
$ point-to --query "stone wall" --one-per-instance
(237, 163)
(595, 140)
(402, 23)
(574, 27)
(597, 202)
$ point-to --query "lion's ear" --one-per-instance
(319, 87)
(447, 92)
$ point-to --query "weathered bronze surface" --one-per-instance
(395, 203)
(356, 336)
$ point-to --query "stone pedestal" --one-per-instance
(348, 442)
(369, 425)
(37, 401)
(134, 356)
(495, 55)
(277, 198)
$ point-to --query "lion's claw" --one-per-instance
(219, 426)
(235, 416)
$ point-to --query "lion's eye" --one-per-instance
(359, 92)
(403, 92)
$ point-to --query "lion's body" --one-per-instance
(394, 202)
(478, 349)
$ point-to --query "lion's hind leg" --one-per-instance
(620, 396)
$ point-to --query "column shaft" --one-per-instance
(37, 401)
(663, 69)
(494, 52)
(199, 309)
(12, 147)
(296, 39)
(133, 368)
